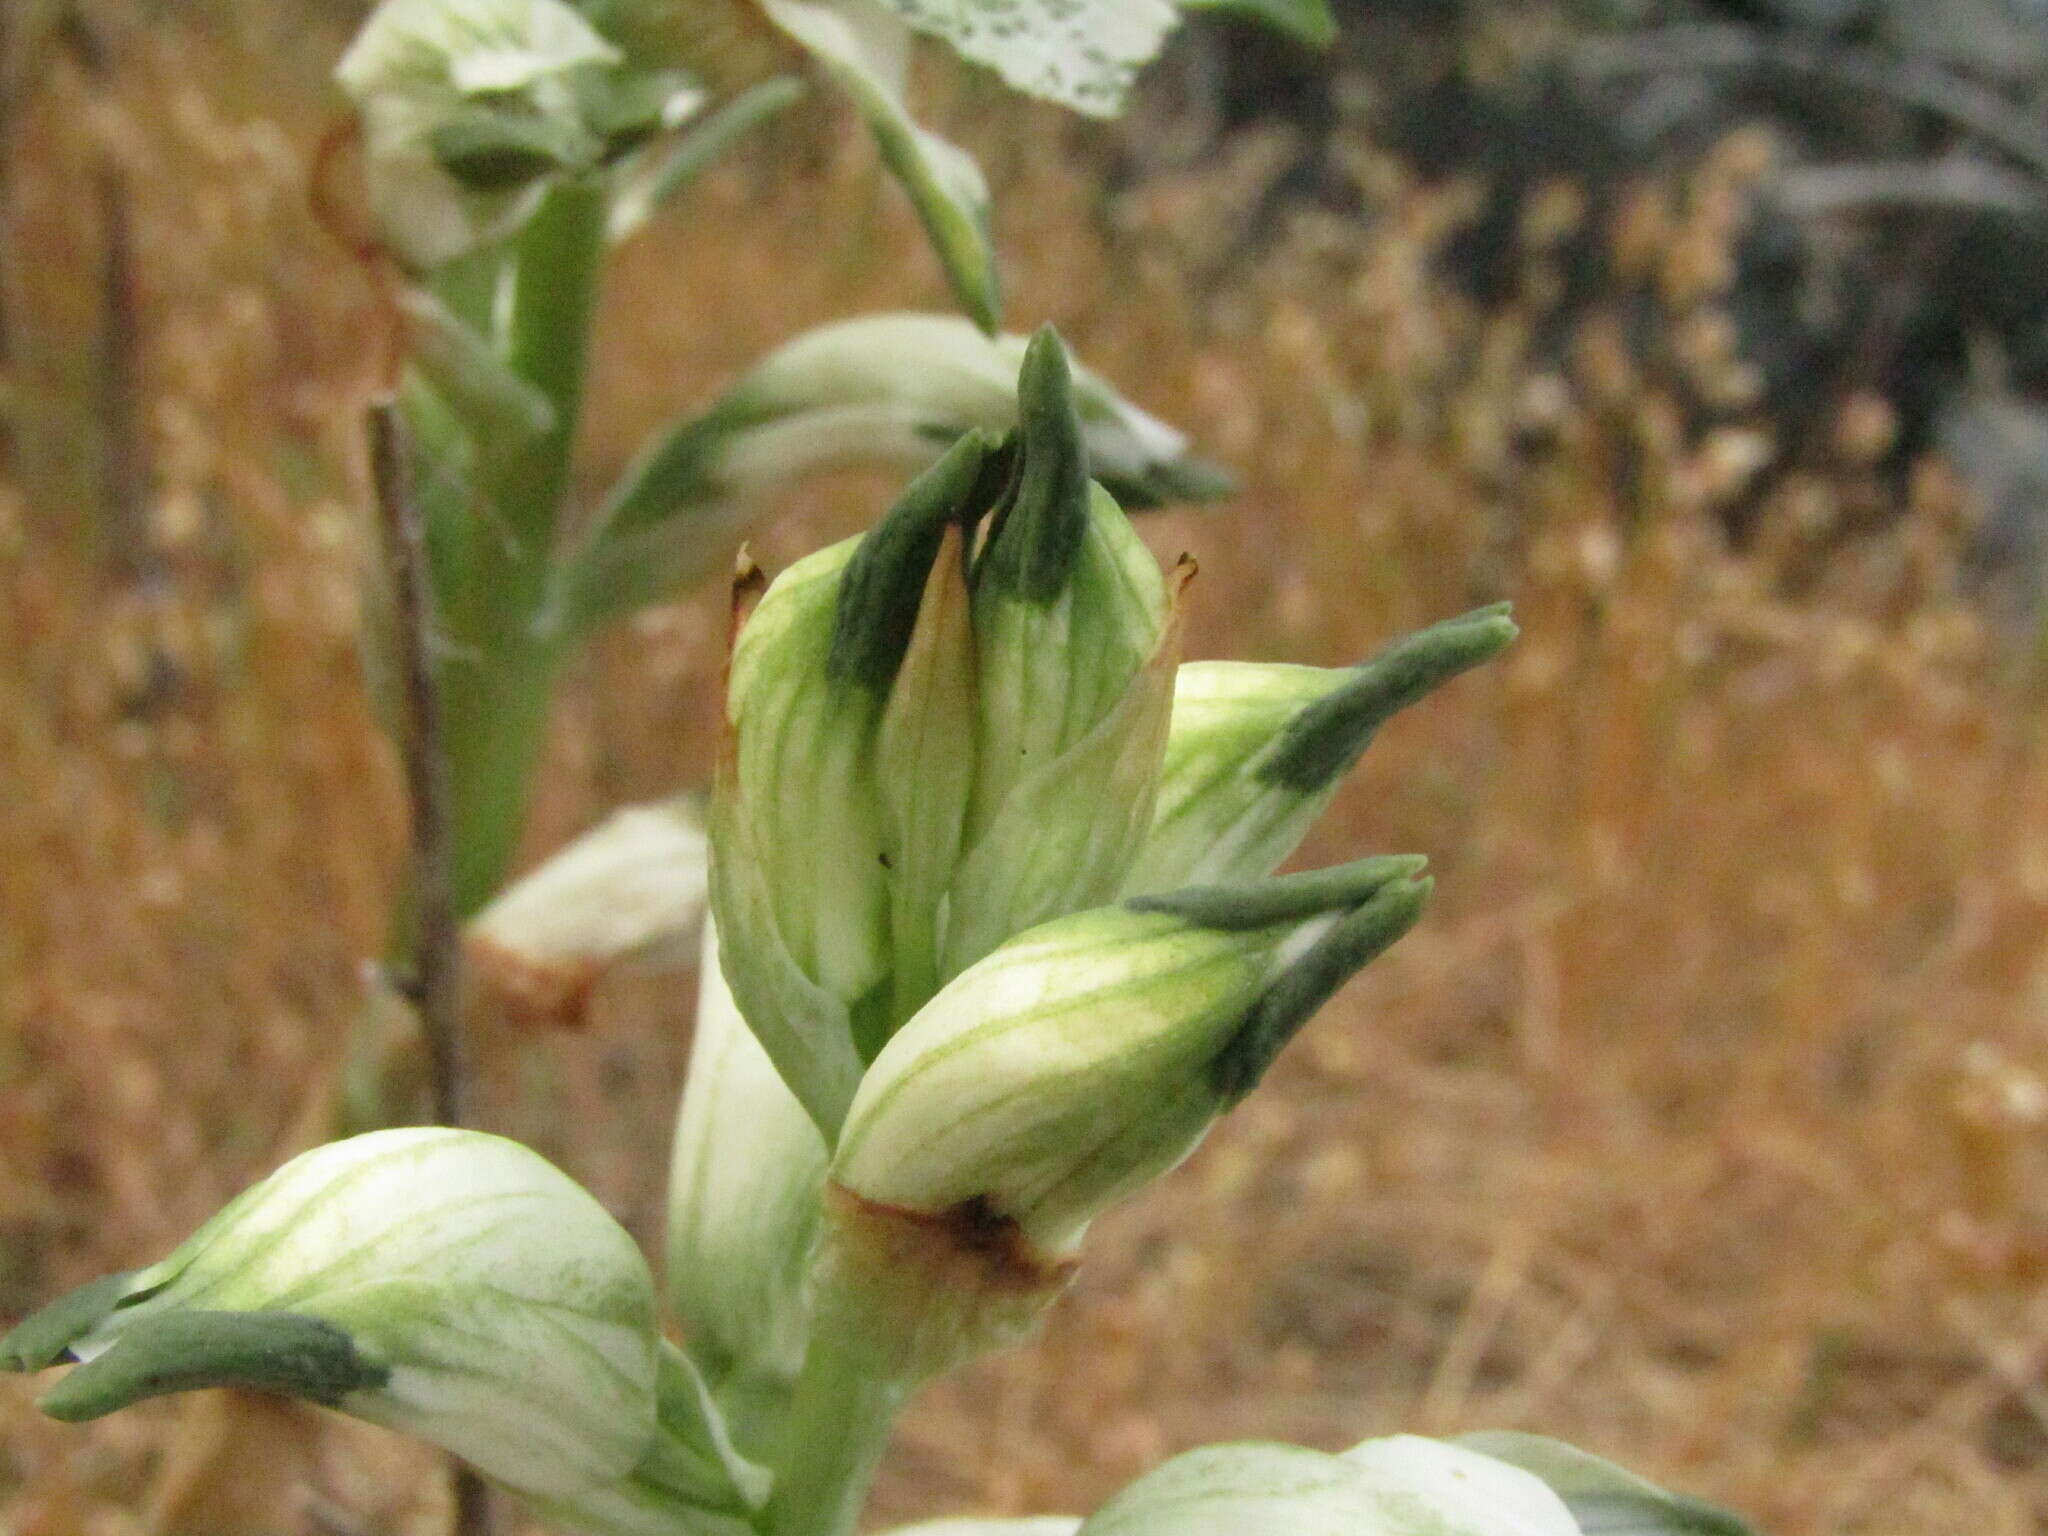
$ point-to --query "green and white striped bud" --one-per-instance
(1404, 1486)
(1072, 1066)
(629, 893)
(470, 110)
(1074, 655)
(928, 756)
(446, 1283)
(1256, 751)
(893, 390)
(801, 878)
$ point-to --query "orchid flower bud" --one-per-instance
(630, 892)
(1255, 752)
(1075, 1064)
(1405, 1486)
(470, 110)
(743, 1214)
(801, 878)
(1075, 643)
(445, 1283)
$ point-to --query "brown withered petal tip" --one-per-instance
(533, 993)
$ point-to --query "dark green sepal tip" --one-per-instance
(1283, 898)
(1321, 743)
(280, 1352)
(41, 1338)
(1037, 534)
(883, 586)
(1353, 942)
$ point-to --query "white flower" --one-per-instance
(447, 1283)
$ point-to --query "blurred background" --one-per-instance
(1704, 1122)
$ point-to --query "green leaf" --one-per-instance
(1605, 1499)
(1308, 22)
(866, 48)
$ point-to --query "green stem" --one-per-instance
(558, 259)
(838, 1427)
(499, 672)
(496, 719)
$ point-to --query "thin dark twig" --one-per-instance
(434, 985)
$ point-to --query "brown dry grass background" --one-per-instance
(1702, 1123)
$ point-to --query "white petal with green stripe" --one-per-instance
(447, 1283)
(1089, 1055)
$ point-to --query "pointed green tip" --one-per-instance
(1284, 898)
(1353, 942)
(281, 1352)
(1321, 743)
(883, 588)
(41, 1338)
(1032, 547)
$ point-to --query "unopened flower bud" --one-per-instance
(628, 893)
(1402, 1486)
(801, 881)
(445, 1283)
(1075, 646)
(1069, 1068)
(469, 110)
(1256, 751)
